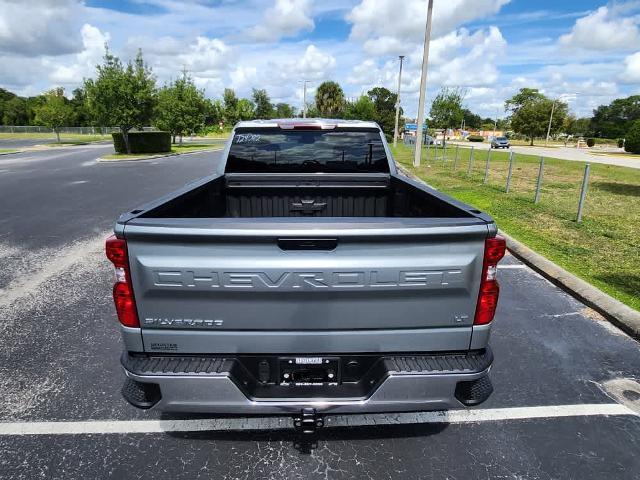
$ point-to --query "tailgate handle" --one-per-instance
(307, 243)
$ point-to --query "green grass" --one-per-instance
(7, 150)
(51, 137)
(604, 249)
(222, 135)
(175, 149)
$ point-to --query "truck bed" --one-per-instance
(311, 195)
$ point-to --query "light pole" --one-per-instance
(553, 106)
(304, 98)
(423, 85)
(395, 131)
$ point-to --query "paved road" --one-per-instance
(23, 142)
(566, 153)
(60, 347)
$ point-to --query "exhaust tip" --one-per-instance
(141, 395)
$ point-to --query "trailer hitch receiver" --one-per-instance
(308, 421)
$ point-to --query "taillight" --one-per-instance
(116, 251)
(494, 249)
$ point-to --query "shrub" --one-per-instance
(632, 139)
(143, 142)
(475, 138)
(590, 142)
(620, 142)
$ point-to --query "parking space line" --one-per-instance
(274, 423)
(503, 267)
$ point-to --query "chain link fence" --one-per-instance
(67, 130)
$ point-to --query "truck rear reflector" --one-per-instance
(494, 250)
(116, 251)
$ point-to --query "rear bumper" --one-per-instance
(210, 385)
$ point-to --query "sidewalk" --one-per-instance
(564, 153)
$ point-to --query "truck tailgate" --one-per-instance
(307, 293)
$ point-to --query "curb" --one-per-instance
(622, 316)
(616, 312)
(137, 159)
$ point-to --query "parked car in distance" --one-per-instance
(500, 142)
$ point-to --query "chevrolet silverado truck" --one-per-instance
(305, 276)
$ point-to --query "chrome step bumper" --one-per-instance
(407, 383)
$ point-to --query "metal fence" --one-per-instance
(68, 130)
(508, 174)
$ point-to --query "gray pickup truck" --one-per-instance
(305, 276)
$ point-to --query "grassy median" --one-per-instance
(604, 249)
(175, 150)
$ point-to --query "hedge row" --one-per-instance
(475, 138)
(143, 142)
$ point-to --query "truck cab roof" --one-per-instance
(322, 123)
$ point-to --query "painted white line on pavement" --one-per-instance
(502, 267)
(453, 416)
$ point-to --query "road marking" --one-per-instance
(502, 267)
(274, 423)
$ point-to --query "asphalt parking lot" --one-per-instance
(563, 377)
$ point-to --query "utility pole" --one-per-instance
(553, 106)
(395, 132)
(423, 85)
(495, 124)
(304, 98)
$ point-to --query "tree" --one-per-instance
(330, 99)
(55, 112)
(446, 109)
(15, 112)
(632, 138)
(264, 110)
(578, 127)
(181, 108)
(362, 109)
(384, 102)
(530, 111)
(284, 110)
(81, 115)
(122, 96)
(471, 120)
(245, 110)
(214, 112)
(615, 119)
(230, 106)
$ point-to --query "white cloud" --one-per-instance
(395, 25)
(205, 56)
(286, 18)
(631, 72)
(315, 63)
(477, 66)
(84, 63)
(604, 29)
(243, 77)
(38, 27)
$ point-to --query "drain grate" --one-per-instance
(625, 391)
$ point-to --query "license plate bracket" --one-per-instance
(304, 371)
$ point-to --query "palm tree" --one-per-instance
(330, 99)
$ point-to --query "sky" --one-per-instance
(584, 52)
